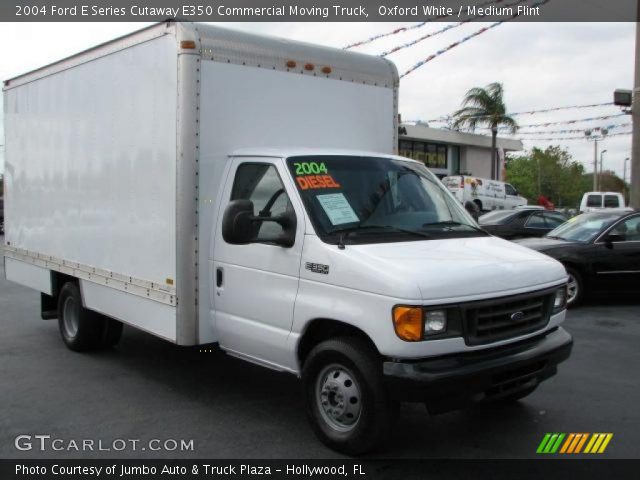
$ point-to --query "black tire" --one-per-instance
(359, 365)
(575, 281)
(478, 204)
(81, 329)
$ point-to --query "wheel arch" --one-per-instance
(321, 329)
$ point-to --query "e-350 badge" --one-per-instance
(317, 268)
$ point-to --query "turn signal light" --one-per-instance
(408, 323)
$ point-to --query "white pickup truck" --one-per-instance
(210, 186)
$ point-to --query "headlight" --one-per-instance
(560, 299)
(435, 322)
(413, 324)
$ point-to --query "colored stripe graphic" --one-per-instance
(573, 443)
(550, 443)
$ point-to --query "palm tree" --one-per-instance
(485, 107)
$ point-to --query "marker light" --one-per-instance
(326, 70)
(291, 64)
(189, 44)
(408, 323)
(560, 299)
(309, 66)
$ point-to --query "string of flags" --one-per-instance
(569, 122)
(445, 29)
(448, 118)
(574, 130)
(580, 137)
(466, 39)
(412, 27)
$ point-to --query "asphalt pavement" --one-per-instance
(148, 389)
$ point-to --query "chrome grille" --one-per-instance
(507, 317)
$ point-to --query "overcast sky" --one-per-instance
(540, 64)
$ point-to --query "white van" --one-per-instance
(592, 201)
(486, 194)
(169, 197)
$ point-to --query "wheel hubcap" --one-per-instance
(70, 317)
(572, 289)
(338, 398)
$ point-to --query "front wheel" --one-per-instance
(347, 404)
(575, 288)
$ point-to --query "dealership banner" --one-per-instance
(319, 10)
(308, 469)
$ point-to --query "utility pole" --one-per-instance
(595, 164)
(600, 176)
(634, 200)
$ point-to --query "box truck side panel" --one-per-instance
(90, 167)
(246, 107)
(28, 275)
(148, 315)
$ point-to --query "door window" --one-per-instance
(553, 219)
(536, 220)
(510, 190)
(629, 229)
(260, 183)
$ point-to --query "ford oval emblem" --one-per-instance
(516, 317)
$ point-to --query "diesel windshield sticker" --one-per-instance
(307, 168)
(317, 268)
(337, 208)
(316, 181)
(313, 175)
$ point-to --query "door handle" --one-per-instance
(219, 277)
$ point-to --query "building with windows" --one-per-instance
(447, 152)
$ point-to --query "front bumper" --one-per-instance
(453, 381)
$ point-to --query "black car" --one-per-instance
(600, 250)
(521, 223)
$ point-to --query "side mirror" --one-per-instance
(614, 237)
(240, 226)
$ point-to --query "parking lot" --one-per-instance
(150, 389)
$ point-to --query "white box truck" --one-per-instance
(210, 186)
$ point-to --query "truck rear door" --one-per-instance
(255, 285)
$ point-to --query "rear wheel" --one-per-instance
(479, 204)
(82, 329)
(575, 288)
(347, 404)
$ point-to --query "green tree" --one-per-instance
(485, 107)
(550, 172)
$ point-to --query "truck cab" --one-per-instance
(368, 279)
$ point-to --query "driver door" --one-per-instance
(256, 284)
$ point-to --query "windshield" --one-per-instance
(370, 199)
(585, 227)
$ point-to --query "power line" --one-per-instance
(437, 32)
(466, 39)
(582, 137)
(447, 118)
(574, 130)
(412, 27)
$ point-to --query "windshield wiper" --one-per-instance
(451, 223)
(345, 232)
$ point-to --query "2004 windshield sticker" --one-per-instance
(313, 175)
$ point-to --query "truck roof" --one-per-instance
(236, 47)
(303, 151)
